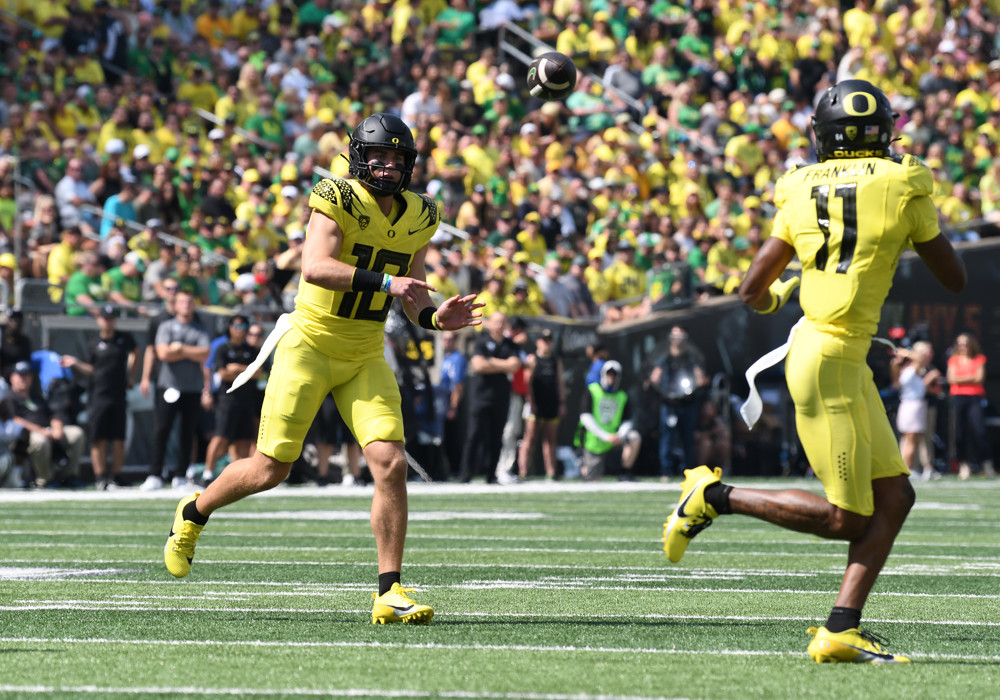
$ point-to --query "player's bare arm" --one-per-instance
(771, 260)
(321, 267)
(940, 258)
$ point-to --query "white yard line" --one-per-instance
(187, 691)
(118, 605)
(30, 569)
(533, 648)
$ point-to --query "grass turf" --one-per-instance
(541, 591)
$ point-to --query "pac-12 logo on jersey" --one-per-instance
(363, 221)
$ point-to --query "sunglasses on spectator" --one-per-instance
(240, 326)
(170, 288)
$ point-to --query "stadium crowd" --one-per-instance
(147, 145)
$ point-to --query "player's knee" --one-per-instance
(386, 461)
(270, 471)
(845, 525)
(898, 500)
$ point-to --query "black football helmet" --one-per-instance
(853, 119)
(383, 131)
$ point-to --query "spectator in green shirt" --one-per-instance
(123, 284)
(266, 125)
(84, 291)
(187, 281)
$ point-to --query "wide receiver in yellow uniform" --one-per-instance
(365, 245)
(848, 218)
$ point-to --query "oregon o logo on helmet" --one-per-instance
(870, 104)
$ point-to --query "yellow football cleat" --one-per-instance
(692, 514)
(179, 550)
(395, 606)
(850, 646)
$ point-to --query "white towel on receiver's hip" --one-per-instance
(281, 326)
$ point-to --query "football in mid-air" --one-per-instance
(551, 76)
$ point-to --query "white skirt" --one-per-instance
(912, 416)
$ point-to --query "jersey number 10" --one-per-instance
(364, 254)
(848, 193)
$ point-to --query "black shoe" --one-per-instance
(626, 476)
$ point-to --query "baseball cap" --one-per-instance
(9, 261)
(289, 191)
(580, 260)
(154, 223)
(289, 172)
(479, 188)
(140, 151)
(23, 367)
(114, 147)
(479, 130)
(546, 334)
(135, 258)
(520, 286)
(108, 311)
(296, 234)
(521, 256)
(533, 216)
(216, 134)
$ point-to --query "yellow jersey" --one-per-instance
(349, 325)
(849, 220)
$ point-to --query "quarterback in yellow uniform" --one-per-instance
(848, 218)
(365, 246)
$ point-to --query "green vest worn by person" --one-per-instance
(608, 409)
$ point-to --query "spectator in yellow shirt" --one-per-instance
(61, 263)
(531, 240)
(572, 40)
(213, 25)
(492, 297)
(723, 269)
(198, 91)
(245, 20)
(440, 278)
(625, 279)
(744, 155)
(597, 283)
(520, 272)
(520, 303)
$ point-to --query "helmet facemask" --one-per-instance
(381, 131)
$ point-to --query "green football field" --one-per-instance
(541, 591)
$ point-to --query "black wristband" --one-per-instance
(426, 318)
(366, 281)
